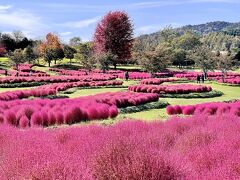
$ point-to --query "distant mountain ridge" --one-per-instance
(216, 26)
(232, 29)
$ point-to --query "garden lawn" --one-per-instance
(2, 90)
(230, 93)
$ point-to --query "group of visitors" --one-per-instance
(200, 78)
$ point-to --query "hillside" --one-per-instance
(231, 29)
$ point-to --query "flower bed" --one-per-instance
(68, 111)
(52, 89)
(220, 108)
(50, 112)
(232, 81)
(124, 99)
(210, 75)
(135, 75)
(56, 79)
(190, 148)
(156, 81)
(170, 89)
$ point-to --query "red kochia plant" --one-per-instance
(23, 122)
(114, 34)
(213, 108)
(10, 118)
(170, 89)
(199, 147)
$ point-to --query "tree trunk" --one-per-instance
(49, 63)
(115, 66)
(55, 61)
(205, 73)
(223, 76)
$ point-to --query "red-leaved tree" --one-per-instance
(114, 34)
(3, 50)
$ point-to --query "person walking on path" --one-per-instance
(198, 78)
(203, 78)
(126, 75)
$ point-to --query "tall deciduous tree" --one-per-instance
(85, 55)
(51, 48)
(17, 57)
(224, 63)
(75, 41)
(188, 41)
(104, 60)
(29, 54)
(157, 60)
(114, 34)
(204, 59)
(69, 52)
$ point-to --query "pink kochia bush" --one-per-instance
(219, 108)
(211, 75)
(82, 72)
(58, 79)
(52, 89)
(234, 81)
(124, 99)
(170, 89)
(135, 75)
(156, 81)
(201, 147)
(42, 113)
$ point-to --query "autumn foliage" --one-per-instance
(114, 34)
(51, 48)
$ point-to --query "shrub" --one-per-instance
(36, 120)
(23, 122)
(170, 110)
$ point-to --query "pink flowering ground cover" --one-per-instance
(212, 108)
(156, 81)
(170, 89)
(44, 113)
(53, 89)
(57, 79)
(200, 147)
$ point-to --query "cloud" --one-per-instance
(153, 28)
(81, 24)
(65, 33)
(151, 4)
(4, 8)
(20, 19)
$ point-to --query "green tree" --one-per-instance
(49, 55)
(188, 41)
(29, 54)
(104, 60)
(17, 57)
(157, 60)
(179, 57)
(224, 63)
(84, 55)
(204, 59)
(75, 41)
(69, 52)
